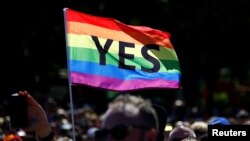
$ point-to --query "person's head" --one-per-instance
(218, 121)
(189, 139)
(242, 116)
(129, 118)
(181, 132)
(200, 128)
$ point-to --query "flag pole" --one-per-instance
(69, 79)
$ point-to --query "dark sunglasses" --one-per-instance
(118, 132)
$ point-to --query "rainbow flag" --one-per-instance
(105, 53)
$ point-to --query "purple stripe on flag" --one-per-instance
(120, 85)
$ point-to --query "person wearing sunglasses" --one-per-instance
(128, 118)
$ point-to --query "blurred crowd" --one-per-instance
(229, 98)
(87, 121)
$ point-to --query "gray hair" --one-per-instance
(146, 112)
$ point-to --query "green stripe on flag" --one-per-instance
(91, 55)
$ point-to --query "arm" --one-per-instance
(38, 121)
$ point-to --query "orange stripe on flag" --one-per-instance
(82, 23)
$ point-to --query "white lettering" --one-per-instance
(216, 132)
(243, 133)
